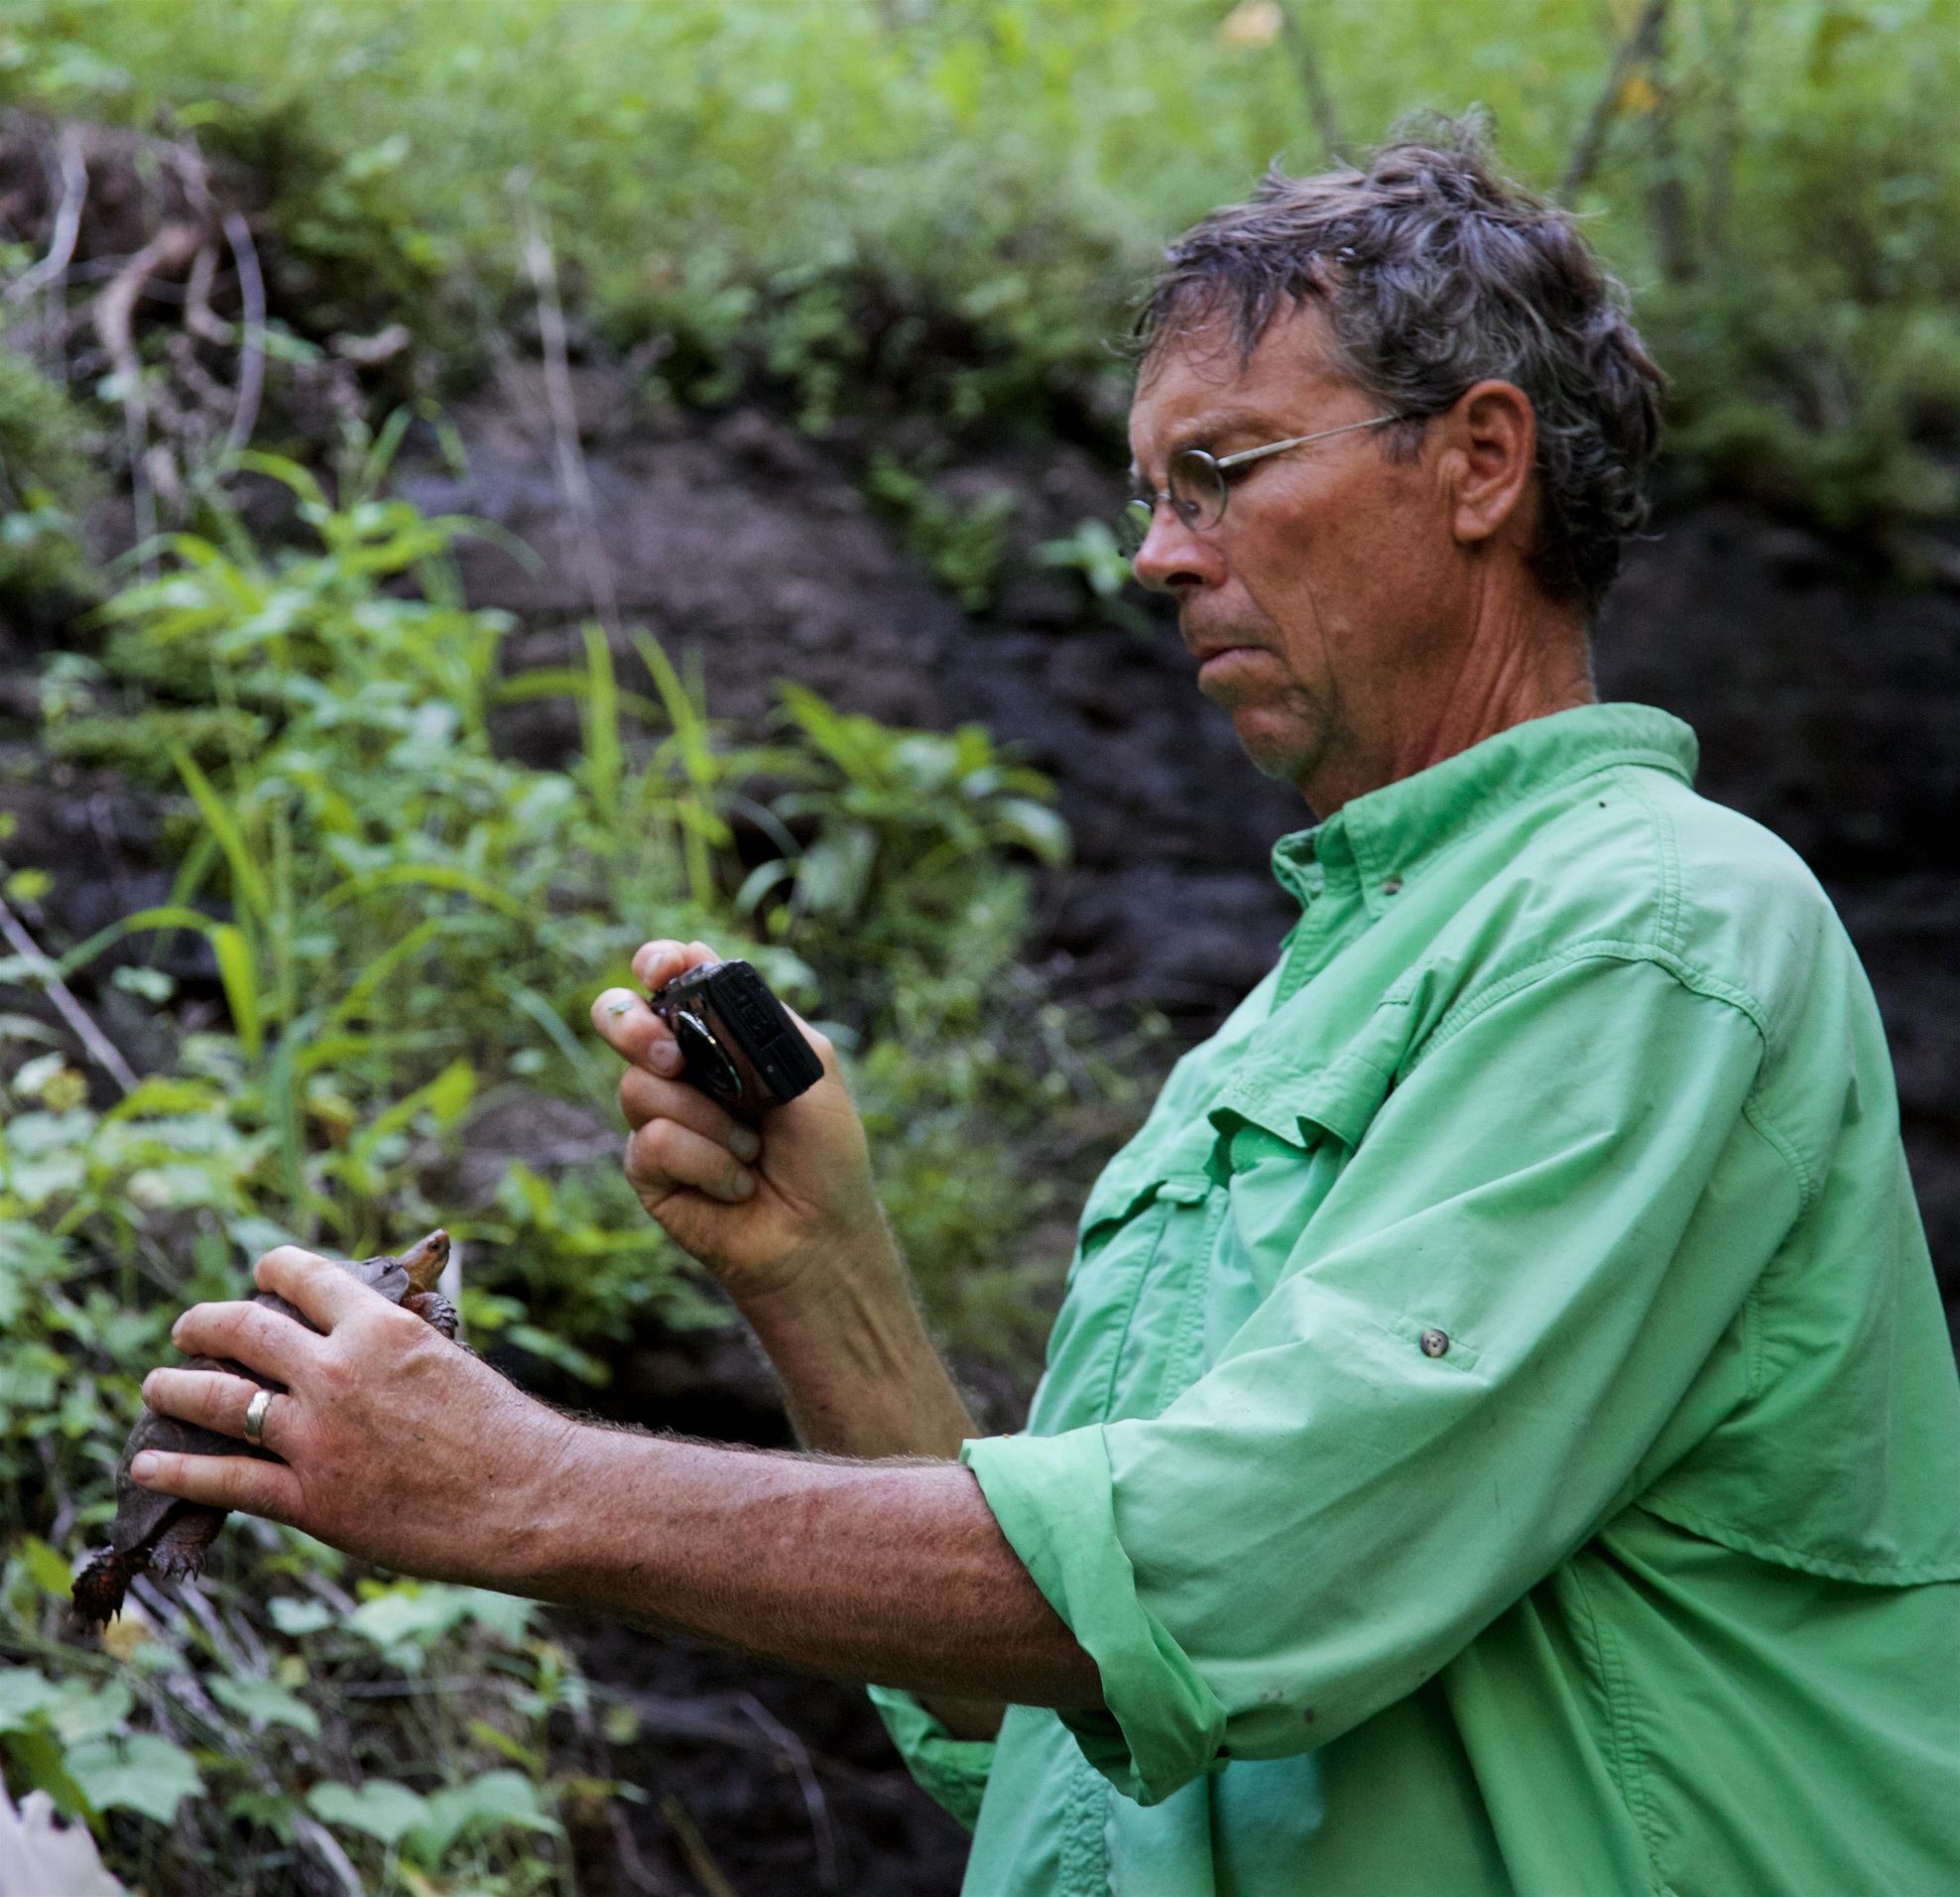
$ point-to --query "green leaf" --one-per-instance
(87, 1714)
(24, 1697)
(1037, 829)
(247, 881)
(46, 1567)
(265, 1704)
(482, 1807)
(428, 876)
(238, 971)
(296, 1618)
(144, 1773)
(380, 1808)
(605, 762)
(35, 1763)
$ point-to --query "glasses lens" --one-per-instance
(1197, 488)
(1133, 523)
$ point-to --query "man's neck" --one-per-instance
(1510, 667)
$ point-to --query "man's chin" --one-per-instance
(1281, 755)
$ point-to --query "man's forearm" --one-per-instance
(896, 1573)
(862, 1378)
(859, 1373)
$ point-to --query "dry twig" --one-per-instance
(252, 346)
(99, 1048)
(67, 221)
(1639, 47)
(596, 569)
(1314, 81)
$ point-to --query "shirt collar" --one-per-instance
(1388, 834)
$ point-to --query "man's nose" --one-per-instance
(1175, 557)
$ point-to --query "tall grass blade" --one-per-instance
(246, 879)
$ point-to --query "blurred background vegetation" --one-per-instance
(378, 922)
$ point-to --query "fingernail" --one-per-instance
(743, 1186)
(148, 1383)
(666, 1056)
(744, 1144)
(144, 1466)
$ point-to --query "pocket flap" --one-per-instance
(1125, 1188)
(1291, 1103)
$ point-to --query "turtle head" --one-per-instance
(425, 1259)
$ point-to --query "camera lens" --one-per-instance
(708, 1068)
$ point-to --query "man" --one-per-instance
(1500, 1433)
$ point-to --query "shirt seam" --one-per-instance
(1185, 1339)
(1669, 923)
(1807, 1182)
(1129, 1305)
(1899, 1573)
(1594, 948)
(1085, 1842)
(1629, 1760)
(1695, 979)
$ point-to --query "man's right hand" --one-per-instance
(772, 1211)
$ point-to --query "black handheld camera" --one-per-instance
(739, 1044)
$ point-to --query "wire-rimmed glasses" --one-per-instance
(1198, 488)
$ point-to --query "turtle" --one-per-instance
(172, 1536)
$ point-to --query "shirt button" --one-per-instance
(1434, 1343)
(1392, 887)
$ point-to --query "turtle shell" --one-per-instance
(172, 1536)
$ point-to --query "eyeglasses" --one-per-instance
(1198, 488)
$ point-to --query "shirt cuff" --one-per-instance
(1054, 1500)
(953, 1772)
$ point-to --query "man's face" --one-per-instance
(1322, 603)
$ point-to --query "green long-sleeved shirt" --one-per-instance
(1500, 1433)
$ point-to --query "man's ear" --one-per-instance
(1489, 455)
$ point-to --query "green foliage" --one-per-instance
(1093, 553)
(964, 545)
(403, 927)
(46, 480)
(946, 207)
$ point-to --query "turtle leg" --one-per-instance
(434, 1309)
(186, 1539)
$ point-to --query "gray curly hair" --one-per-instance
(1436, 274)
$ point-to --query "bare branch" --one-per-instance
(67, 221)
(1639, 47)
(170, 251)
(596, 569)
(1319, 101)
(100, 1049)
(198, 316)
(252, 346)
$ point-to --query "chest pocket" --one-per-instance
(1143, 1234)
(1284, 1136)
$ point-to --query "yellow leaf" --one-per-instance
(1252, 22)
(126, 1632)
(1638, 94)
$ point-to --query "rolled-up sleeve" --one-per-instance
(1464, 1356)
(953, 1772)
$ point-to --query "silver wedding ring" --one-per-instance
(255, 1417)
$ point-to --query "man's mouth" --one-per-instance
(1217, 660)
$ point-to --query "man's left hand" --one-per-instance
(394, 1444)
